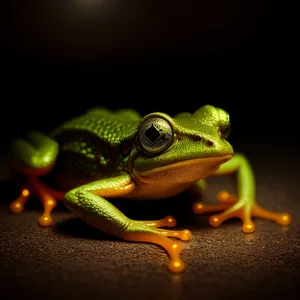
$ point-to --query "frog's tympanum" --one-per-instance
(103, 154)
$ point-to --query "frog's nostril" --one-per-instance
(197, 138)
(209, 143)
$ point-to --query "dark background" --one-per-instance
(59, 58)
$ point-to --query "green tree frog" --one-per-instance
(104, 154)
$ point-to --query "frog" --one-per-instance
(104, 154)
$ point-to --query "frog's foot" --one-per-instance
(168, 221)
(35, 155)
(243, 210)
(47, 196)
(226, 201)
(17, 206)
(146, 231)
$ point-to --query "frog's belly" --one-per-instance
(145, 191)
(142, 191)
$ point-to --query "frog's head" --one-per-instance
(186, 148)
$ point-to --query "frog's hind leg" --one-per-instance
(35, 156)
(243, 206)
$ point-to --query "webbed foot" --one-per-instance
(47, 196)
(148, 231)
(17, 206)
(243, 209)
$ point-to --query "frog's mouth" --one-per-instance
(183, 171)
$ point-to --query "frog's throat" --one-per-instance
(183, 171)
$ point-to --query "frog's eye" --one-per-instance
(155, 135)
(224, 123)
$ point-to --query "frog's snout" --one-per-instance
(221, 148)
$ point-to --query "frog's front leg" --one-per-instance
(88, 202)
(244, 205)
(34, 156)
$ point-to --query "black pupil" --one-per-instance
(152, 133)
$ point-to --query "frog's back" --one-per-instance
(100, 124)
(90, 143)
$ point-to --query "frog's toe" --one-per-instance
(226, 201)
(46, 219)
(284, 219)
(176, 266)
(17, 206)
(237, 210)
(226, 197)
(167, 221)
(248, 227)
(46, 195)
(219, 219)
(245, 212)
(200, 208)
(184, 235)
(280, 218)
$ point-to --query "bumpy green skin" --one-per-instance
(35, 151)
(91, 143)
(199, 135)
(106, 149)
(96, 210)
(245, 179)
